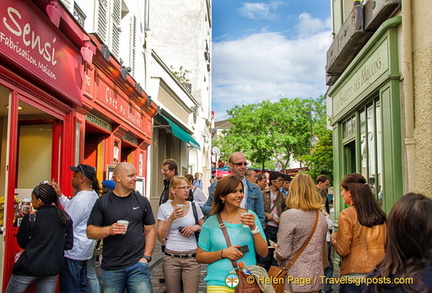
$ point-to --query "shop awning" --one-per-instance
(181, 134)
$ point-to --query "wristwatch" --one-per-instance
(256, 230)
(148, 258)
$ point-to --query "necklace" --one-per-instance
(232, 220)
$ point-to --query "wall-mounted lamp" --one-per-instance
(53, 13)
(139, 87)
(149, 101)
(193, 108)
(124, 71)
(86, 52)
(106, 52)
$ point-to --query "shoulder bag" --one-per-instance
(195, 213)
(243, 286)
(280, 273)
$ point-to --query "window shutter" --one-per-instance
(134, 42)
(116, 28)
(102, 22)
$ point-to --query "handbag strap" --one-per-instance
(195, 213)
(299, 252)
(225, 234)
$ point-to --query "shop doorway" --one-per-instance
(29, 153)
(94, 149)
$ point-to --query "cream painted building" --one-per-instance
(178, 44)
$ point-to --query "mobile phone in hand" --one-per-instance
(243, 248)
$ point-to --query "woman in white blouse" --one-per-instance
(177, 226)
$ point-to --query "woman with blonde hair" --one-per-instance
(361, 232)
(303, 225)
(178, 221)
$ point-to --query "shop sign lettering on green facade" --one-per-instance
(362, 79)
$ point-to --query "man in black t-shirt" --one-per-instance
(127, 250)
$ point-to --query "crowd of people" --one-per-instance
(247, 220)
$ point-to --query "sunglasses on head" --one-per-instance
(82, 170)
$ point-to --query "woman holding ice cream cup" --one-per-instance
(178, 221)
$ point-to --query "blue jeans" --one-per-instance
(92, 279)
(19, 283)
(268, 261)
(73, 277)
(134, 278)
(350, 288)
(329, 270)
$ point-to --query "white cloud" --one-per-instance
(267, 65)
(259, 10)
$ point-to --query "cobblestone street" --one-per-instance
(156, 272)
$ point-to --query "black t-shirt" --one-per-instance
(120, 251)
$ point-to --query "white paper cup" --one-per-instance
(182, 206)
(124, 223)
(241, 216)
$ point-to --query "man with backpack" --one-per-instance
(127, 247)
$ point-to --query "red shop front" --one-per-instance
(41, 69)
(116, 118)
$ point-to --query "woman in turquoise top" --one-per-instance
(212, 246)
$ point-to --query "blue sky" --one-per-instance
(267, 50)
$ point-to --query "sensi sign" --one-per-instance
(29, 38)
(38, 49)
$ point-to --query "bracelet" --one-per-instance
(221, 254)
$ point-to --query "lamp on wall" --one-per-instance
(53, 13)
(124, 71)
(149, 101)
(86, 52)
(106, 52)
(138, 87)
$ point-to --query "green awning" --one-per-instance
(181, 134)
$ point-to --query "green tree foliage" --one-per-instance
(269, 132)
(320, 160)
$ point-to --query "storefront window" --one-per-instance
(371, 147)
(370, 118)
(116, 152)
(77, 142)
(349, 127)
(379, 182)
(363, 145)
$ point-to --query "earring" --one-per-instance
(223, 201)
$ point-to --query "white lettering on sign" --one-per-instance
(110, 99)
(361, 80)
(136, 119)
(30, 40)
